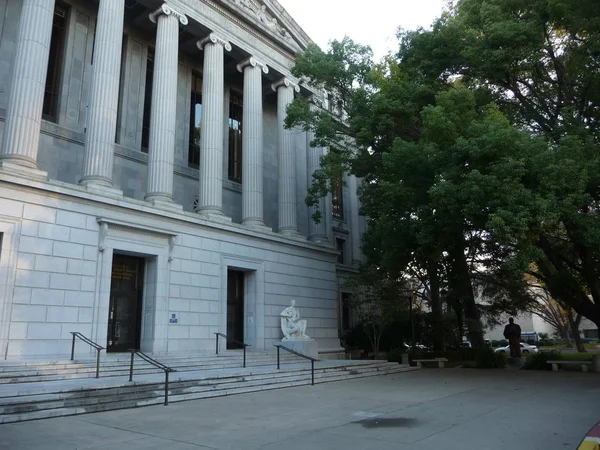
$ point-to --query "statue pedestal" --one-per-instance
(308, 347)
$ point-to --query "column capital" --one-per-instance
(212, 38)
(285, 82)
(168, 10)
(252, 61)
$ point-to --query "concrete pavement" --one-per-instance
(425, 410)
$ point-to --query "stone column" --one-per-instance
(210, 199)
(161, 151)
(317, 232)
(286, 169)
(26, 99)
(104, 95)
(252, 143)
(354, 222)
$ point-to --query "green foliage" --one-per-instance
(395, 355)
(539, 61)
(576, 356)
(539, 361)
(486, 358)
(478, 150)
(375, 300)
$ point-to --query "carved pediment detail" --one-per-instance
(260, 12)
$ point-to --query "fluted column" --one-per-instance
(211, 137)
(26, 98)
(161, 147)
(286, 169)
(252, 143)
(104, 95)
(317, 232)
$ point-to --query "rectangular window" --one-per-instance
(341, 248)
(337, 201)
(121, 88)
(55, 62)
(236, 110)
(147, 100)
(195, 122)
(345, 312)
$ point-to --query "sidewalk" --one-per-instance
(428, 409)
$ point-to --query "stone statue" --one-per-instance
(293, 328)
(512, 332)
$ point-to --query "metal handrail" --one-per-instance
(99, 348)
(155, 363)
(235, 341)
(294, 352)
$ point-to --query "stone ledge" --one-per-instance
(131, 205)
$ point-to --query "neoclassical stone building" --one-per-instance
(149, 193)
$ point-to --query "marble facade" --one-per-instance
(79, 187)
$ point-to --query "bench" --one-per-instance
(584, 364)
(440, 362)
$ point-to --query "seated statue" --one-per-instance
(293, 328)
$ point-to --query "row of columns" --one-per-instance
(23, 121)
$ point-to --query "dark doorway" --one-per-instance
(235, 308)
(125, 309)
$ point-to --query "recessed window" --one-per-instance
(121, 84)
(195, 122)
(346, 298)
(341, 248)
(337, 201)
(236, 111)
(147, 101)
(55, 63)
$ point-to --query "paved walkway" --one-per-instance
(430, 409)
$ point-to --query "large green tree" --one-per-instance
(439, 166)
(540, 61)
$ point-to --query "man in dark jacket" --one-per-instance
(512, 332)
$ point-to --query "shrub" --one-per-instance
(539, 361)
(486, 358)
(395, 355)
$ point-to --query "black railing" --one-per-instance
(235, 341)
(155, 363)
(99, 348)
(293, 352)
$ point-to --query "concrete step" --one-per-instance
(121, 386)
(121, 370)
(119, 367)
(68, 400)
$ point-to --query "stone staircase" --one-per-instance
(36, 390)
(114, 365)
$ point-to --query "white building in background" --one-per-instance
(531, 323)
(149, 193)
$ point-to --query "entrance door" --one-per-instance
(235, 307)
(125, 309)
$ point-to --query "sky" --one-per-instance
(370, 22)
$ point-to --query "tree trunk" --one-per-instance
(564, 286)
(565, 335)
(574, 327)
(436, 307)
(457, 308)
(460, 277)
